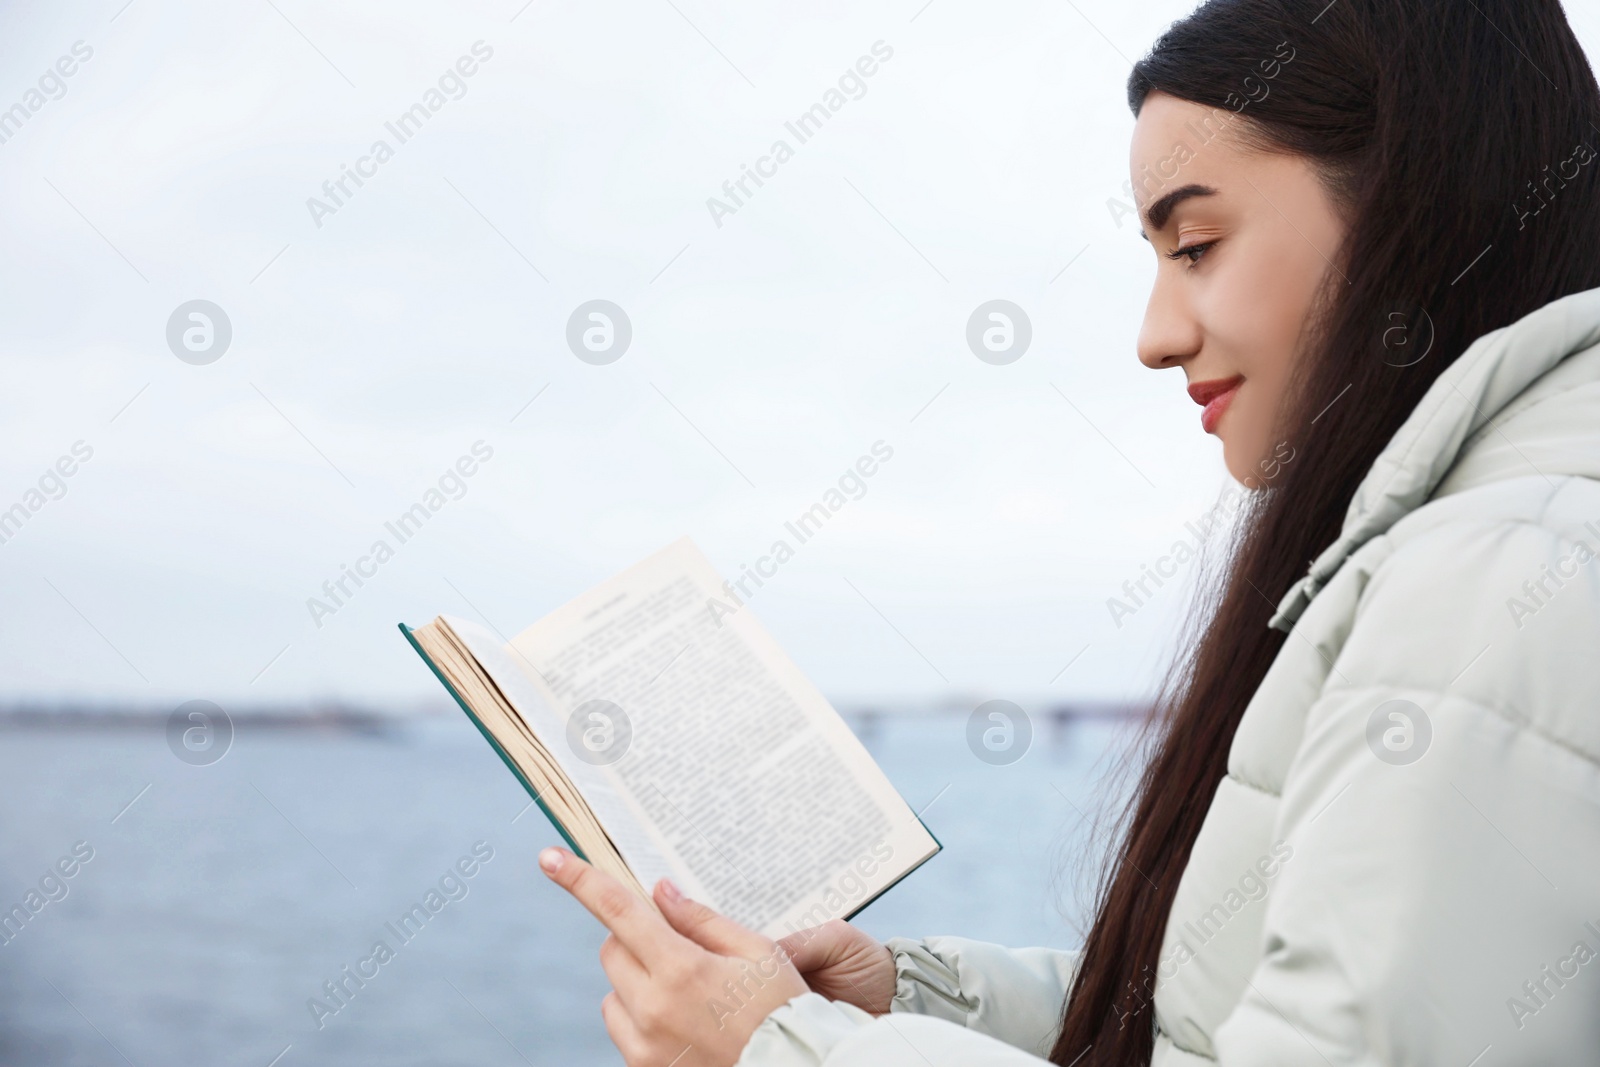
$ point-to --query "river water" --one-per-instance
(218, 899)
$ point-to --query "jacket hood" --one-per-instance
(1484, 383)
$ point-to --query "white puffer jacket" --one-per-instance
(1403, 863)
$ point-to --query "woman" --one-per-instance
(1369, 831)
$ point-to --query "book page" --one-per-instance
(629, 831)
(763, 797)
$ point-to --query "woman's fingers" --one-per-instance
(667, 986)
(707, 928)
(628, 976)
(641, 931)
(621, 1028)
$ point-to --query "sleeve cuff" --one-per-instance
(801, 1032)
(924, 983)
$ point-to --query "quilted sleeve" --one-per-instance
(1014, 994)
(956, 1002)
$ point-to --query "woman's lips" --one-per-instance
(1214, 396)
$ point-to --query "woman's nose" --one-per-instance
(1170, 333)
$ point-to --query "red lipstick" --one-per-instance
(1214, 396)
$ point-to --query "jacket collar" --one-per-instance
(1493, 371)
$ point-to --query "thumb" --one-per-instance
(812, 947)
(705, 927)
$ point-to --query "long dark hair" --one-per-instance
(1447, 131)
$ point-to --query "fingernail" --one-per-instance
(670, 890)
(550, 860)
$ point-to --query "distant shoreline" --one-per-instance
(349, 719)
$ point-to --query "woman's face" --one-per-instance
(1243, 242)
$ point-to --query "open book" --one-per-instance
(665, 734)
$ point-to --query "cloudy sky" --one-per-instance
(381, 334)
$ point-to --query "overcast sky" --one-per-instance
(380, 335)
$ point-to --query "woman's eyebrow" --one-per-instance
(1160, 211)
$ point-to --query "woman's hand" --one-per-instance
(689, 986)
(842, 963)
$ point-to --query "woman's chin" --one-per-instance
(1240, 464)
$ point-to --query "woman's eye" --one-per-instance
(1192, 252)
